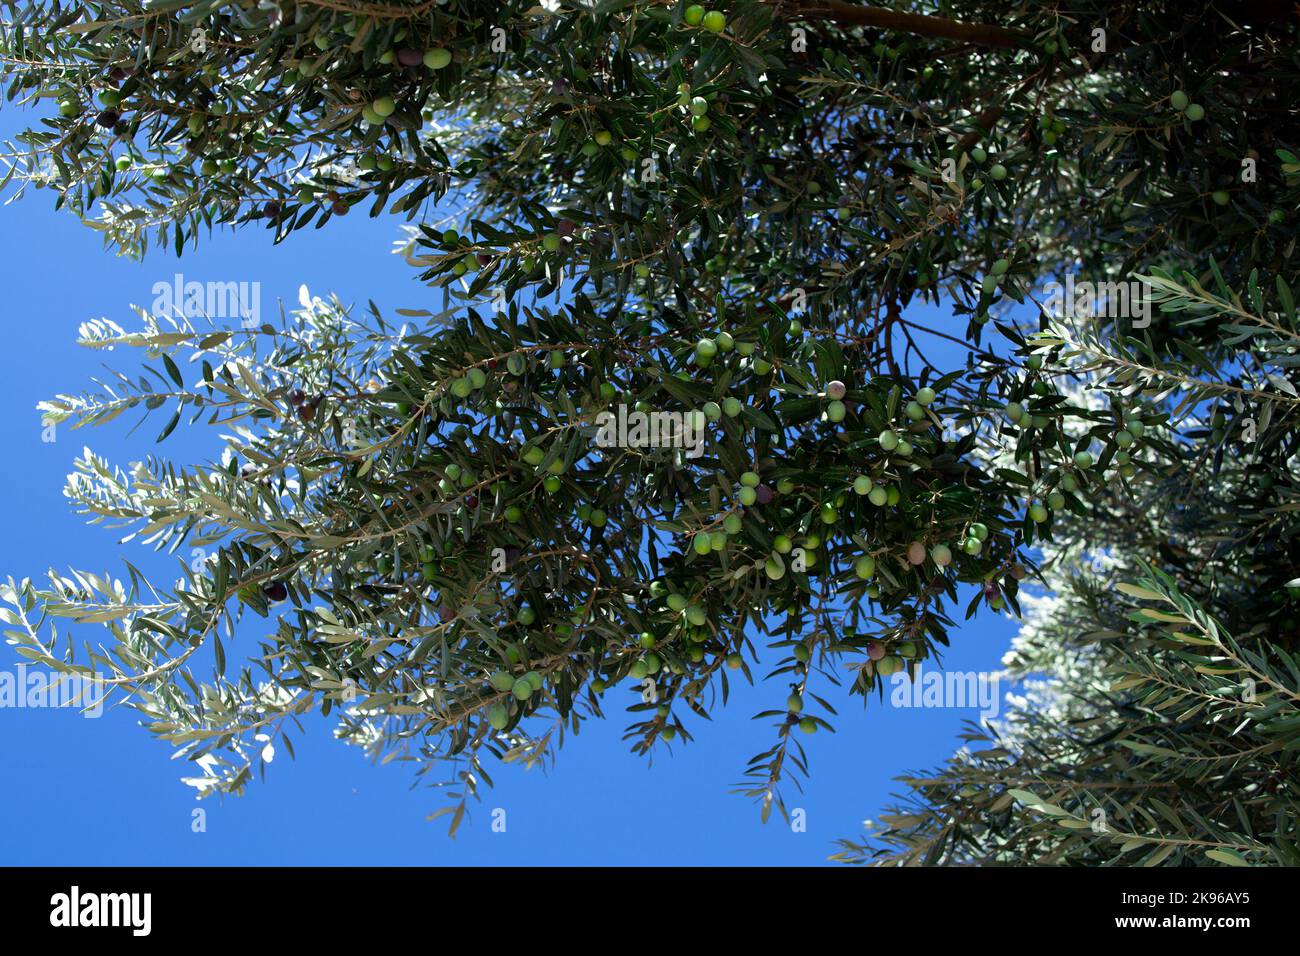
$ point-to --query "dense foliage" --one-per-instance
(1159, 718)
(718, 215)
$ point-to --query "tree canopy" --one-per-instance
(722, 220)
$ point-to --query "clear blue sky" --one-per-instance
(102, 792)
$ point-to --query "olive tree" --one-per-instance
(713, 221)
(1161, 683)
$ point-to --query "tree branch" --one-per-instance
(841, 12)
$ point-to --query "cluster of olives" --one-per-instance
(1050, 128)
(521, 688)
(1180, 101)
(997, 172)
(696, 16)
(304, 407)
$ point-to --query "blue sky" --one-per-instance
(103, 791)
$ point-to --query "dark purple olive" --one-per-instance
(272, 210)
(276, 591)
(408, 57)
(296, 397)
(763, 494)
(108, 118)
(483, 258)
(564, 228)
(445, 613)
(340, 208)
(471, 501)
(306, 411)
